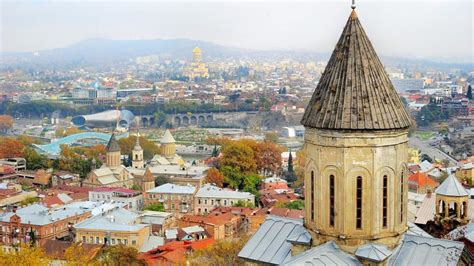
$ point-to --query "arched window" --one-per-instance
(359, 203)
(384, 201)
(331, 200)
(312, 196)
(402, 197)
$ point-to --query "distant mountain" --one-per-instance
(105, 52)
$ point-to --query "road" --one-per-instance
(433, 152)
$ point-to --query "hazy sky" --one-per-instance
(440, 30)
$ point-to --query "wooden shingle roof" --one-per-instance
(355, 92)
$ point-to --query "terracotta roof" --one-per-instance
(355, 92)
(422, 180)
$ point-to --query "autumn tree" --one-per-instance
(119, 255)
(299, 169)
(77, 256)
(26, 255)
(238, 156)
(149, 147)
(6, 122)
(267, 156)
(222, 252)
(214, 176)
(10, 147)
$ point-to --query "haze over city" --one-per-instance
(439, 30)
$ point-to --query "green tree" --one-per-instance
(244, 204)
(136, 187)
(215, 151)
(293, 205)
(158, 207)
(290, 163)
(469, 92)
(34, 160)
(160, 180)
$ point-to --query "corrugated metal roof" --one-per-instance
(325, 254)
(413, 229)
(373, 252)
(426, 211)
(418, 250)
(269, 244)
(451, 187)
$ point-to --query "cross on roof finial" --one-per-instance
(353, 6)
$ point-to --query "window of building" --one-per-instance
(359, 203)
(97, 240)
(331, 200)
(113, 241)
(199, 201)
(125, 242)
(134, 242)
(83, 239)
(384, 201)
(172, 206)
(91, 240)
(225, 202)
(205, 201)
(312, 195)
(119, 241)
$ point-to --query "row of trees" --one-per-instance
(21, 147)
(45, 108)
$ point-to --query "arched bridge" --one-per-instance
(54, 148)
(191, 119)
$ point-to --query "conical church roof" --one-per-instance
(451, 187)
(167, 138)
(113, 144)
(355, 92)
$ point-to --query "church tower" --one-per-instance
(167, 145)
(452, 201)
(137, 154)
(356, 149)
(113, 159)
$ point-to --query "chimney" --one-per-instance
(428, 193)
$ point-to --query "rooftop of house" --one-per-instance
(211, 191)
(37, 214)
(170, 188)
(117, 219)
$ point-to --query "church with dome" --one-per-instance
(356, 187)
(197, 68)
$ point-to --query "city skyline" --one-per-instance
(278, 25)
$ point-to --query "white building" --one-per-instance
(209, 197)
(133, 199)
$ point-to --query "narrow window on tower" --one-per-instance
(401, 195)
(384, 201)
(331, 200)
(312, 196)
(359, 203)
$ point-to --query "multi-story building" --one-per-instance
(116, 226)
(36, 223)
(210, 197)
(132, 199)
(175, 198)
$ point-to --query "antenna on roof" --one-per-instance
(353, 6)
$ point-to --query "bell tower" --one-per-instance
(356, 149)
(113, 159)
(137, 154)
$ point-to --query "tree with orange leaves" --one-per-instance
(267, 156)
(6, 122)
(10, 147)
(214, 176)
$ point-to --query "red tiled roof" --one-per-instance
(422, 180)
